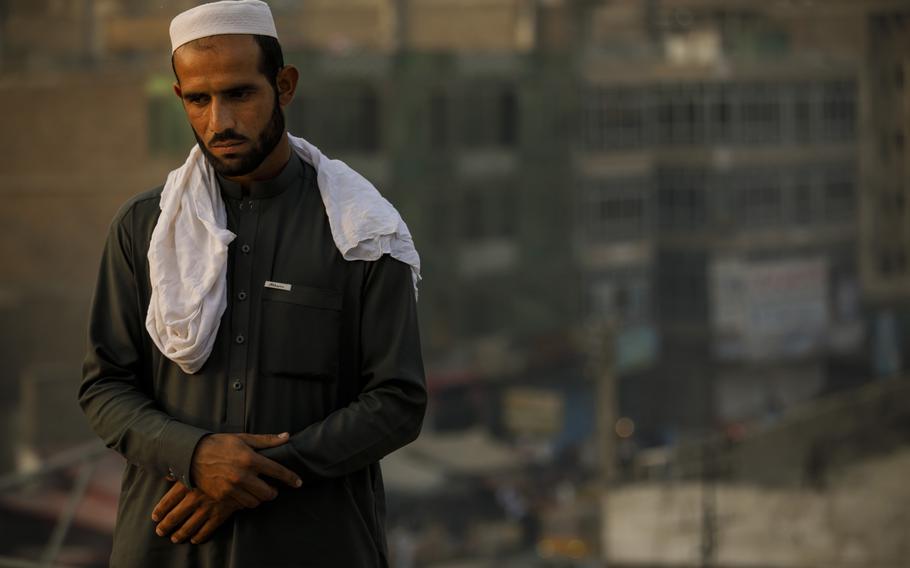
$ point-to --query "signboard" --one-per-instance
(636, 348)
(767, 310)
(533, 411)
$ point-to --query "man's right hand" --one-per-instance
(226, 467)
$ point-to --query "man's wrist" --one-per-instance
(177, 446)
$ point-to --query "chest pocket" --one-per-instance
(300, 333)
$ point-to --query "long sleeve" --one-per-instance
(389, 411)
(115, 392)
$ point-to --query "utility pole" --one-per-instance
(708, 503)
(91, 34)
(604, 357)
(4, 15)
(399, 25)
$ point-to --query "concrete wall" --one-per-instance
(863, 519)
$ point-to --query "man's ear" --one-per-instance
(286, 81)
(177, 91)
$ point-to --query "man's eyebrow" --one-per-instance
(241, 87)
(229, 90)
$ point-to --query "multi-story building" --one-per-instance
(565, 161)
(885, 238)
(718, 183)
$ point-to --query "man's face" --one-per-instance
(232, 107)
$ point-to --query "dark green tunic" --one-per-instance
(335, 361)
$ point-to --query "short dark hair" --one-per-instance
(271, 59)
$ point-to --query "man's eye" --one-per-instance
(196, 100)
(239, 95)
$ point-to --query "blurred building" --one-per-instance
(724, 180)
(885, 154)
(718, 189)
(690, 169)
(885, 244)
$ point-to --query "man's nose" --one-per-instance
(221, 117)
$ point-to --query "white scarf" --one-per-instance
(189, 246)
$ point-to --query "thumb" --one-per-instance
(262, 441)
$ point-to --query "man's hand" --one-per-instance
(197, 514)
(226, 467)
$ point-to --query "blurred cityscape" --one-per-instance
(666, 250)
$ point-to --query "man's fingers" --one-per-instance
(244, 498)
(174, 495)
(259, 489)
(191, 525)
(262, 441)
(275, 470)
(177, 515)
(208, 528)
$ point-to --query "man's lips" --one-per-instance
(227, 147)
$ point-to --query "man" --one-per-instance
(253, 343)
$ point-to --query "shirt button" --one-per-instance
(245, 249)
(240, 339)
(237, 385)
(241, 296)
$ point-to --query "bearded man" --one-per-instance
(253, 341)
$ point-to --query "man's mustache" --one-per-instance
(227, 136)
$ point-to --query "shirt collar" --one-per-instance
(268, 188)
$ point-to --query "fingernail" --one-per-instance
(283, 435)
(155, 518)
(298, 483)
(175, 540)
(194, 541)
(159, 532)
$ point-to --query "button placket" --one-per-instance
(242, 269)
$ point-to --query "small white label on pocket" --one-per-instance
(278, 285)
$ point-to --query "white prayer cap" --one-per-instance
(219, 18)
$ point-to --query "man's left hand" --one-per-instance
(196, 514)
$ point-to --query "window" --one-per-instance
(839, 195)
(344, 117)
(892, 262)
(625, 296)
(508, 119)
(838, 111)
(803, 200)
(439, 120)
(804, 104)
(681, 199)
(680, 115)
(692, 125)
(760, 198)
(682, 286)
(760, 114)
(490, 116)
(720, 114)
(615, 209)
(612, 118)
(488, 212)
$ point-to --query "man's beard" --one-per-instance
(260, 149)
